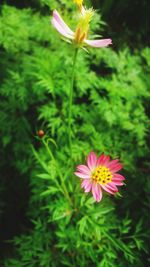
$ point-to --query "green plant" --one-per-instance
(110, 96)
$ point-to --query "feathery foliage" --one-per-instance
(110, 115)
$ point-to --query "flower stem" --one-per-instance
(71, 97)
(65, 192)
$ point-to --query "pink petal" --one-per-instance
(98, 43)
(117, 182)
(87, 182)
(117, 167)
(100, 160)
(112, 163)
(61, 30)
(91, 161)
(83, 169)
(108, 189)
(112, 186)
(103, 160)
(81, 175)
(106, 160)
(84, 183)
(94, 191)
(97, 192)
(62, 23)
(119, 177)
(88, 186)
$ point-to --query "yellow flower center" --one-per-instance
(102, 175)
(83, 26)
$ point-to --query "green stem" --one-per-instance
(71, 97)
(58, 171)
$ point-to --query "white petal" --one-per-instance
(59, 28)
(61, 22)
(98, 43)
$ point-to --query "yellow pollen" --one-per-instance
(83, 26)
(102, 175)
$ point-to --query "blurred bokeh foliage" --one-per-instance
(110, 115)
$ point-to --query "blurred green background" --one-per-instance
(110, 115)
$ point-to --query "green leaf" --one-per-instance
(50, 191)
(44, 176)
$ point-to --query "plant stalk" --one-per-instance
(71, 99)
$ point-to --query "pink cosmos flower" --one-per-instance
(100, 174)
(79, 37)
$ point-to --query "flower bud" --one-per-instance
(82, 29)
(41, 133)
(78, 3)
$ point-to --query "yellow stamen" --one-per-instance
(83, 26)
(102, 175)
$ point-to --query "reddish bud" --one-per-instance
(41, 133)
